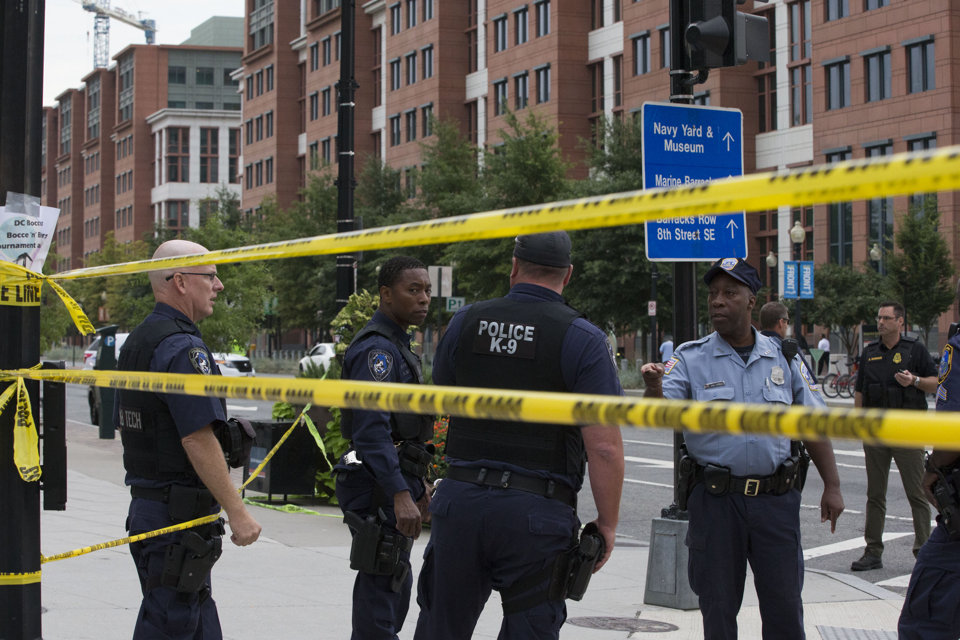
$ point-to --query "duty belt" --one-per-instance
(183, 503)
(510, 480)
(746, 485)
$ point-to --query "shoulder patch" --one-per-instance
(200, 360)
(946, 363)
(380, 363)
(670, 364)
(808, 377)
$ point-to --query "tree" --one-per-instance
(844, 298)
(617, 164)
(448, 180)
(55, 321)
(921, 271)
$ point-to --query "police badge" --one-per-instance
(200, 360)
(380, 363)
(776, 375)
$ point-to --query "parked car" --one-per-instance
(320, 355)
(90, 353)
(233, 364)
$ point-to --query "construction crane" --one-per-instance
(101, 28)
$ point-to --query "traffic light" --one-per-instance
(717, 35)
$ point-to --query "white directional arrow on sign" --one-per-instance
(732, 225)
(728, 139)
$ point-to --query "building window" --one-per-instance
(922, 142)
(920, 72)
(395, 74)
(840, 220)
(203, 105)
(178, 214)
(499, 97)
(801, 86)
(473, 122)
(837, 9)
(411, 124)
(93, 108)
(336, 46)
(178, 154)
(427, 54)
(314, 156)
(838, 85)
(410, 182)
(125, 88)
(269, 124)
(176, 75)
(377, 71)
(641, 54)
(542, 9)
(234, 163)
(314, 106)
(499, 33)
(258, 173)
(426, 120)
(596, 14)
(880, 210)
(411, 14)
(521, 31)
(767, 81)
(471, 33)
(427, 10)
(261, 24)
(617, 81)
(395, 25)
(876, 68)
(205, 77)
(325, 101)
(249, 81)
(327, 55)
(270, 78)
(314, 56)
(248, 125)
(521, 90)
(209, 154)
(665, 48)
(258, 125)
(269, 170)
(411, 60)
(874, 4)
(543, 83)
(596, 88)
(395, 133)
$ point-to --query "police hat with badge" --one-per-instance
(736, 268)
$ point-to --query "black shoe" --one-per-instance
(866, 563)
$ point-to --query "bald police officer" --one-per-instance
(174, 458)
(930, 611)
(506, 513)
(744, 505)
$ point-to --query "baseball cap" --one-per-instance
(548, 249)
(736, 268)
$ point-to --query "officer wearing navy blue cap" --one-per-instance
(506, 511)
(174, 460)
(744, 506)
(380, 481)
(930, 609)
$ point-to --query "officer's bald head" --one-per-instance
(171, 249)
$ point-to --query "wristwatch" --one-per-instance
(916, 381)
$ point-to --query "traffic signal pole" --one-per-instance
(346, 183)
(21, 81)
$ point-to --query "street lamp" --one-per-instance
(797, 236)
(876, 254)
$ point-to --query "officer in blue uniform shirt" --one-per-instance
(505, 515)
(930, 611)
(744, 505)
(173, 453)
(380, 481)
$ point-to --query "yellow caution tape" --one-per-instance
(26, 443)
(177, 527)
(874, 426)
(903, 173)
(31, 577)
(21, 287)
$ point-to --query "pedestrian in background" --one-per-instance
(930, 610)
(824, 364)
(666, 349)
(173, 453)
(774, 320)
(506, 512)
(380, 480)
(744, 505)
(896, 372)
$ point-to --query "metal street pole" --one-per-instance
(21, 81)
(346, 89)
(654, 276)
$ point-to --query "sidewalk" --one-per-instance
(295, 582)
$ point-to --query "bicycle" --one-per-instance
(840, 385)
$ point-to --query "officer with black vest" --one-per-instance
(380, 481)
(174, 449)
(930, 610)
(895, 372)
(505, 516)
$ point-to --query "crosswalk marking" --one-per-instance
(847, 545)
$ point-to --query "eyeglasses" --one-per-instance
(211, 276)
(886, 318)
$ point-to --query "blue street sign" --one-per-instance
(798, 279)
(686, 145)
(789, 279)
(806, 279)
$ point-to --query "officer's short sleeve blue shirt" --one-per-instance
(948, 392)
(710, 370)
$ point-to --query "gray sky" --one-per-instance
(68, 39)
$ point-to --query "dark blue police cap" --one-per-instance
(549, 249)
(736, 268)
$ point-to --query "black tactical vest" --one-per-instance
(403, 426)
(880, 388)
(151, 443)
(506, 344)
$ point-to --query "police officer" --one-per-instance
(174, 458)
(896, 372)
(930, 611)
(505, 514)
(380, 481)
(744, 505)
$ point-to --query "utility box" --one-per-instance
(292, 469)
(667, 582)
